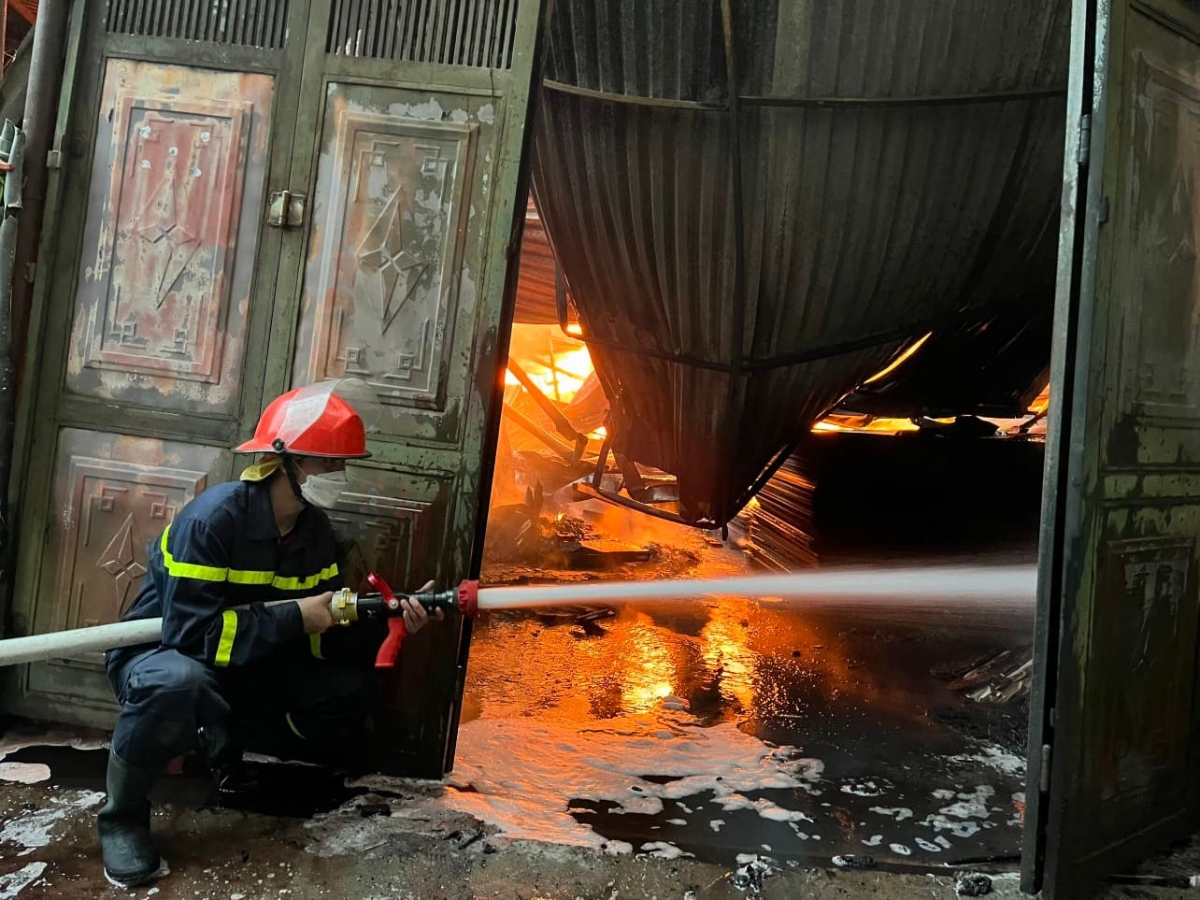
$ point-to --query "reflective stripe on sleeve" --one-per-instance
(228, 633)
(188, 570)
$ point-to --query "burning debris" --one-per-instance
(520, 534)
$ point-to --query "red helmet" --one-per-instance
(310, 421)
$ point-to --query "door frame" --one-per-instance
(1086, 407)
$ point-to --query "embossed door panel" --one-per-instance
(1118, 723)
(160, 282)
(114, 495)
(177, 183)
(391, 523)
(392, 267)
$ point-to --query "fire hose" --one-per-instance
(926, 584)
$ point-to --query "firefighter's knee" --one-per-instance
(169, 679)
(166, 697)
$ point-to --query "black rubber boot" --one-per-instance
(231, 773)
(124, 825)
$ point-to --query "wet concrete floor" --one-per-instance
(851, 686)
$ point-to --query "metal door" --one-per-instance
(418, 113)
(1113, 754)
(149, 302)
(171, 310)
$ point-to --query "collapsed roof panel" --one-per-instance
(892, 165)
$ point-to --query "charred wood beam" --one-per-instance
(562, 448)
(546, 405)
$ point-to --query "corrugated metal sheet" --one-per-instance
(537, 295)
(897, 162)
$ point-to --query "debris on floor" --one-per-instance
(973, 886)
(750, 875)
(854, 861)
(1002, 678)
(15, 882)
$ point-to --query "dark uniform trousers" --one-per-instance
(286, 706)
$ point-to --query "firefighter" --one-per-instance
(233, 669)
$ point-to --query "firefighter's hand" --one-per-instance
(416, 616)
(316, 613)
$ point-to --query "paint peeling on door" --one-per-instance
(170, 239)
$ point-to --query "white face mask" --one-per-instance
(323, 490)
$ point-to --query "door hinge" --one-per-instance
(1102, 215)
(1084, 151)
(54, 159)
(287, 209)
(1044, 770)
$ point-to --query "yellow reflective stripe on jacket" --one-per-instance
(228, 633)
(292, 725)
(314, 643)
(189, 570)
(246, 576)
(303, 584)
(178, 569)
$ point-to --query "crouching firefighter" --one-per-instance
(233, 670)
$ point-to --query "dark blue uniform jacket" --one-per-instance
(212, 570)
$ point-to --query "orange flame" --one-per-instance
(555, 361)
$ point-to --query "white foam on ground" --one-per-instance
(15, 882)
(971, 806)
(863, 789)
(33, 830)
(959, 818)
(996, 758)
(900, 813)
(766, 808)
(11, 743)
(24, 773)
(546, 766)
(663, 850)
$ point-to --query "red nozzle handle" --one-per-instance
(385, 657)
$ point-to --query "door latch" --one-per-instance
(287, 209)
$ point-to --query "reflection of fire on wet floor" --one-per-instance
(724, 727)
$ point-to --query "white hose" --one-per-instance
(933, 583)
(63, 644)
(94, 638)
(994, 584)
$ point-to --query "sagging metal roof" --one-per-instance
(893, 164)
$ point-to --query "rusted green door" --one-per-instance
(1113, 756)
(174, 305)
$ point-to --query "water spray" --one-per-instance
(933, 584)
